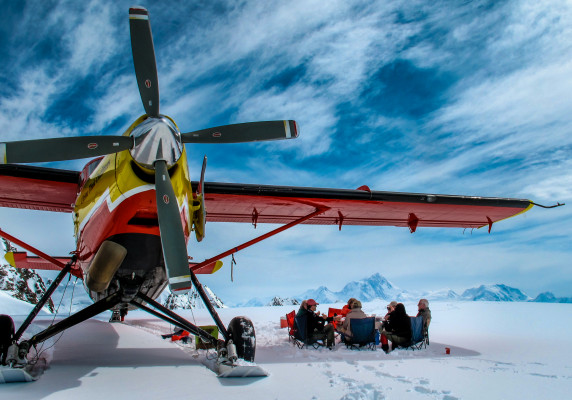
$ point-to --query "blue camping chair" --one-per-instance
(419, 334)
(301, 338)
(363, 333)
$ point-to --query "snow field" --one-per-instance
(498, 351)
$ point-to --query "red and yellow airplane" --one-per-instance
(134, 208)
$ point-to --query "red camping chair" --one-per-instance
(291, 328)
(332, 312)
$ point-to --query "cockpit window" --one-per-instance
(87, 171)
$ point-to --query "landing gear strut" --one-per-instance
(238, 342)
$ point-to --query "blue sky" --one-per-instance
(451, 97)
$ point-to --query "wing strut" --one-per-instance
(26, 246)
(319, 210)
(74, 270)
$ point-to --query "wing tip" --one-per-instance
(292, 129)
(138, 12)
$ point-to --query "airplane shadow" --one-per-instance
(88, 346)
(271, 355)
(239, 381)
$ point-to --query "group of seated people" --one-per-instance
(395, 327)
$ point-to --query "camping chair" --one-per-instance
(419, 334)
(333, 312)
(290, 319)
(363, 333)
(299, 336)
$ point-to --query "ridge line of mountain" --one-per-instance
(378, 287)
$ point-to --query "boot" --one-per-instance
(385, 347)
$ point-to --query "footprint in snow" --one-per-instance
(543, 376)
(467, 368)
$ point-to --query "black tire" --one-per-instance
(241, 332)
(6, 335)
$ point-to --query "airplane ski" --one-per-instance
(14, 375)
(241, 371)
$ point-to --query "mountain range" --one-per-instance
(378, 287)
(28, 286)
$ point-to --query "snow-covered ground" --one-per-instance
(499, 350)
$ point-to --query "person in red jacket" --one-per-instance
(180, 334)
(347, 308)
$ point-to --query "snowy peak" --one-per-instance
(494, 293)
(192, 299)
(548, 297)
(23, 284)
(283, 301)
(374, 287)
(321, 295)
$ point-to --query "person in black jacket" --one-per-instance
(397, 330)
(316, 328)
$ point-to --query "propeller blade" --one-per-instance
(202, 181)
(171, 228)
(246, 132)
(144, 59)
(61, 149)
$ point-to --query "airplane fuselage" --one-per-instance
(117, 202)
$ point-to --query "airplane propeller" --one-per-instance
(171, 229)
(62, 149)
(144, 59)
(246, 132)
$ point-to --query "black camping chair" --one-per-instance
(363, 334)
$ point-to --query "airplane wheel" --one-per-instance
(6, 335)
(241, 332)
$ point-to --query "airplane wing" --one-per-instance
(38, 188)
(229, 202)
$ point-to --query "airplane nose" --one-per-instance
(156, 139)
